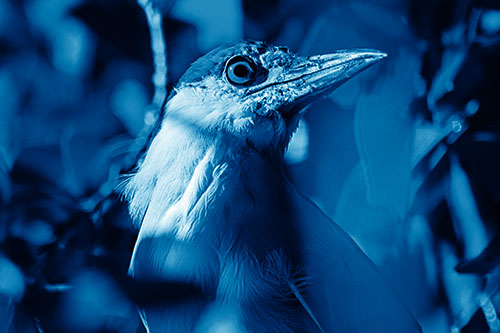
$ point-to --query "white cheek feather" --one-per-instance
(213, 107)
(217, 106)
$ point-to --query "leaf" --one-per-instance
(94, 303)
(12, 282)
(298, 147)
(468, 223)
(462, 290)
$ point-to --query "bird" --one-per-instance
(215, 208)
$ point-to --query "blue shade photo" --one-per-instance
(250, 166)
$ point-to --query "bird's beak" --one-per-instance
(328, 71)
(318, 75)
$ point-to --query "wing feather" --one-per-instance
(346, 293)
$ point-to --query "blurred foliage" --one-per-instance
(406, 157)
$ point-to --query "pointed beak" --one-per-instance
(309, 78)
(328, 71)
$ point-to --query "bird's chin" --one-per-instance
(292, 112)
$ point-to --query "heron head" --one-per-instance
(256, 93)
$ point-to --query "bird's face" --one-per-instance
(255, 93)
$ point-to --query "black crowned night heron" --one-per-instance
(215, 207)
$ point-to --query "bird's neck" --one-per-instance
(184, 165)
(227, 204)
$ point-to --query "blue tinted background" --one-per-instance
(405, 157)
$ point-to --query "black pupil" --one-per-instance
(241, 71)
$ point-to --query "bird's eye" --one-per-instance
(239, 70)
